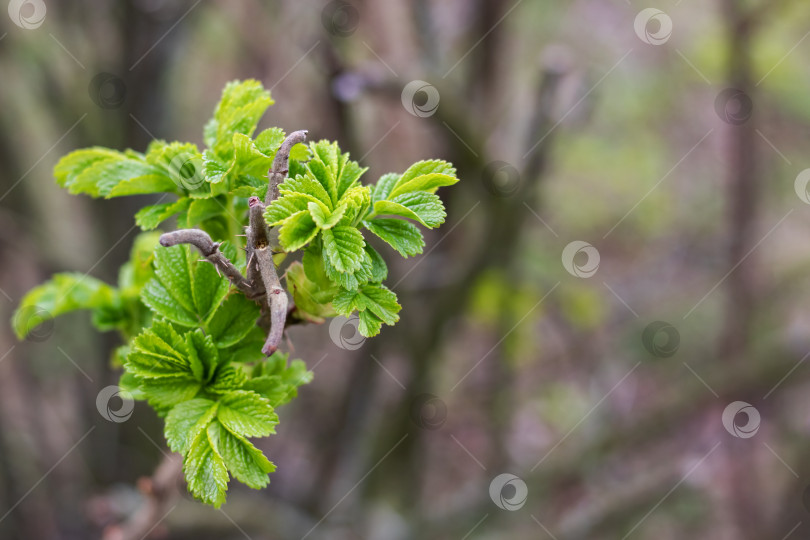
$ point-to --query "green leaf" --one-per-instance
(370, 324)
(242, 105)
(379, 270)
(149, 217)
(233, 320)
(185, 290)
(203, 209)
(277, 381)
(358, 201)
(307, 185)
(297, 231)
(310, 302)
(349, 175)
(75, 163)
(249, 349)
(135, 175)
(247, 413)
(425, 176)
(426, 208)
(62, 294)
(269, 141)
(384, 186)
(343, 247)
(245, 462)
(282, 208)
(140, 185)
(203, 354)
(159, 351)
(228, 379)
(205, 470)
(325, 219)
(400, 235)
(373, 297)
(427, 182)
(325, 167)
(165, 392)
(186, 421)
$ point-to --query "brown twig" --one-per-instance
(259, 246)
(160, 493)
(281, 164)
(210, 250)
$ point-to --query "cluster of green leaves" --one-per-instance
(323, 208)
(192, 344)
(200, 365)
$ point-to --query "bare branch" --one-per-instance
(281, 164)
(276, 299)
(257, 236)
(160, 491)
(210, 250)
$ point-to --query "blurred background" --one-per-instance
(614, 314)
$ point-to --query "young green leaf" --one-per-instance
(297, 231)
(343, 247)
(242, 105)
(184, 290)
(244, 461)
(205, 470)
(62, 294)
(399, 234)
(426, 208)
(247, 413)
(324, 219)
(186, 421)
